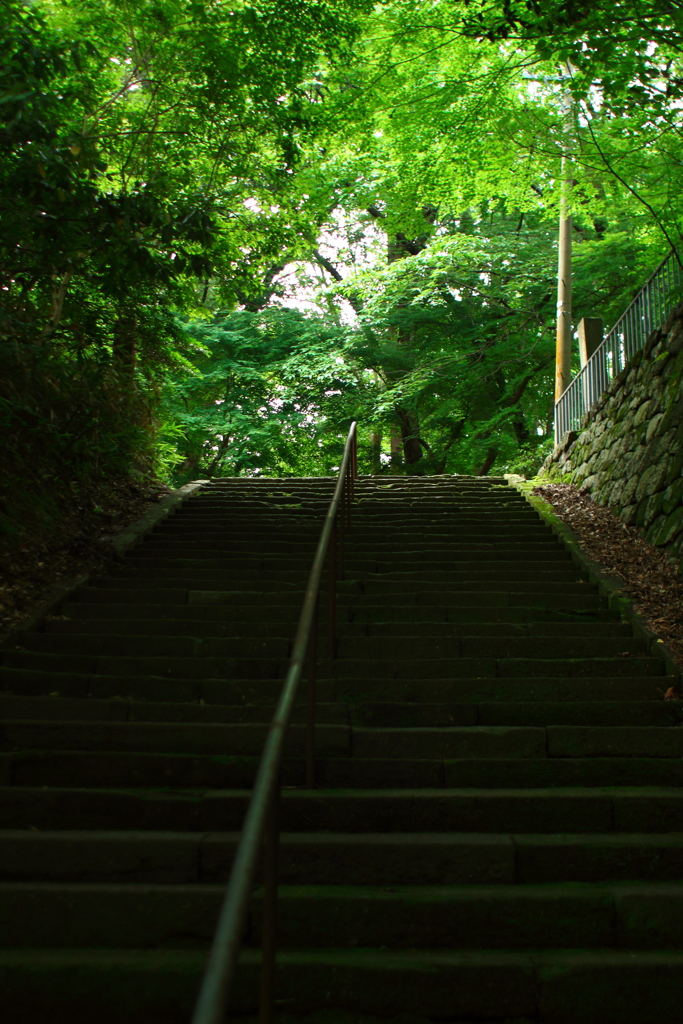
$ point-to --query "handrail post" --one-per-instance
(342, 529)
(311, 701)
(269, 948)
(332, 588)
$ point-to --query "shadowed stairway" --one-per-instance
(497, 829)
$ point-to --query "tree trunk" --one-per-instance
(376, 446)
(396, 453)
(125, 343)
(488, 462)
(410, 436)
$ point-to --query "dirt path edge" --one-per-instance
(609, 586)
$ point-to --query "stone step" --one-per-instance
(285, 611)
(233, 738)
(177, 576)
(343, 669)
(400, 535)
(368, 648)
(285, 562)
(354, 554)
(219, 738)
(269, 609)
(558, 628)
(236, 769)
(378, 714)
(410, 648)
(567, 597)
(309, 858)
(367, 540)
(555, 688)
(285, 626)
(431, 591)
(594, 713)
(594, 987)
(270, 629)
(146, 646)
(75, 709)
(285, 581)
(545, 810)
(165, 666)
(126, 686)
(627, 915)
(397, 668)
(274, 593)
(450, 690)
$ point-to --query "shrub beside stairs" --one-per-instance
(497, 829)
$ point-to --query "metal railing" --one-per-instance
(261, 821)
(649, 310)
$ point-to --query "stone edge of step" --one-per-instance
(122, 542)
(608, 586)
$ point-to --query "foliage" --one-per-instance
(131, 136)
(164, 165)
(450, 150)
(266, 393)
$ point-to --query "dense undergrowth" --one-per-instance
(73, 422)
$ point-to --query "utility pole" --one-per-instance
(563, 348)
(563, 345)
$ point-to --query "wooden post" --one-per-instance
(590, 337)
(563, 348)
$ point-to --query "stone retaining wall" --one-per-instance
(629, 453)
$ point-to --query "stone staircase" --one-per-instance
(497, 829)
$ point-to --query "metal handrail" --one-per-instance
(262, 813)
(648, 310)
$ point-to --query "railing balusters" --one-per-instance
(332, 586)
(648, 310)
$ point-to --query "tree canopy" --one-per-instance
(227, 229)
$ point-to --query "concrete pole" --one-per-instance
(563, 348)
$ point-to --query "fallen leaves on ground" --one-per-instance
(648, 576)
